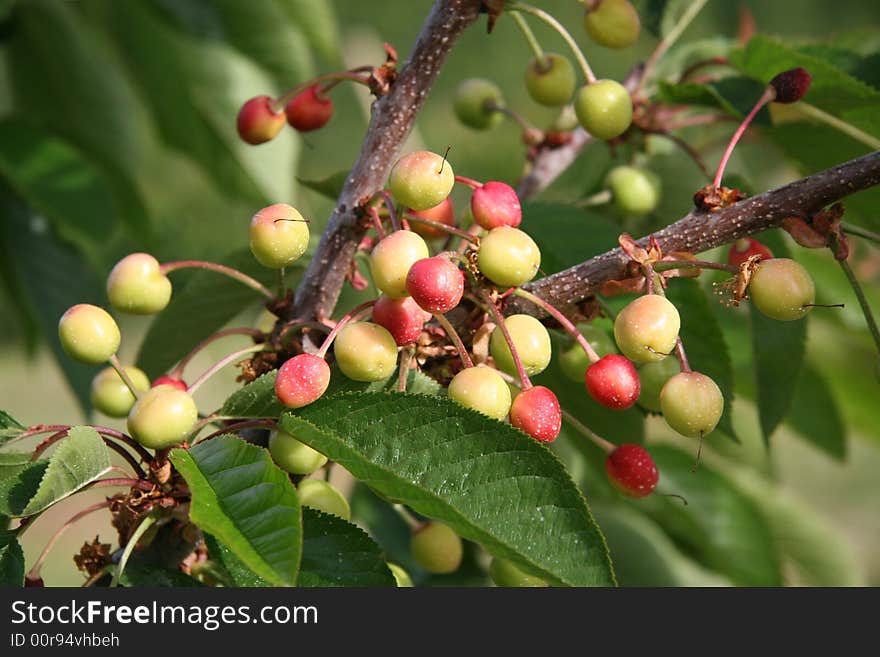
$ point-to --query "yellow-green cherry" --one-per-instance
(550, 80)
(163, 417)
(508, 257)
(279, 236)
(421, 180)
(88, 334)
(505, 573)
(604, 109)
(392, 258)
(365, 352)
(294, 456)
(110, 394)
(475, 103)
(647, 329)
(612, 23)
(782, 289)
(322, 496)
(692, 404)
(437, 548)
(481, 389)
(138, 286)
(532, 343)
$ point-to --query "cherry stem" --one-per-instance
(863, 301)
(525, 383)
(223, 362)
(244, 424)
(239, 276)
(59, 431)
(325, 346)
(412, 522)
(142, 528)
(455, 338)
(682, 356)
(669, 40)
(470, 182)
(648, 268)
(860, 232)
(605, 445)
(279, 103)
(124, 453)
(392, 210)
(293, 325)
(177, 372)
(518, 118)
(838, 124)
(122, 481)
(566, 323)
(34, 572)
(406, 356)
(556, 25)
(528, 35)
(452, 230)
(377, 221)
(599, 198)
(765, 98)
(120, 370)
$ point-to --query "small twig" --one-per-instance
(232, 428)
(860, 232)
(669, 40)
(605, 445)
(177, 372)
(223, 362)
(525, 383)
(325, 346)
(120, 370)
(556, 25)
(239, 276)
(566, 323)
(453, 335)
(682, 356)
(34, 572)
(142, 528)
(863, 302)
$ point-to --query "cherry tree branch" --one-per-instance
(392, 120)
(700, 230)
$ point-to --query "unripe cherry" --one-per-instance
(782, 289)
(653, 377)
(743, 249)
(604, 109)
(574, 360)
(437, 548)
(496, 204)
(442, 214)
(635, 191)
(365, 352)
(136, 285)
(392, 258)
(472, 102)
(110, 394)
(309, 110)
(646, 330)
(294, 456)
(278, 235)
(322, 496)
(536, 411)
(508, 257)
(612, 23)
(165, 380)
(258, 121)
(436, 284)
(632, 471)
(613, 382)
(88, 334)
(550, 80)
(481, 389)
(403, 318)
(162, 417)
(302, 380)
(532, 343)
(504, 573)
(421, 180)
(692, 404)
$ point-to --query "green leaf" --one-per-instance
(815, 416)
(704, 342)
(9, 427)
(734, 95)
(721, 527)
(11, 560)
(140, 575)
(79, 459)
(329, 187)
(487, 480)
(660, 16)
(247, 502)
(207, 303)
(338, 553)
(236, 572)
(318, 22)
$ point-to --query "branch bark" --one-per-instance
(699, 230)
(392, 120)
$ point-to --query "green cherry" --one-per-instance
(322, 496)
(612, 23)
(111, 396)
(279, 236)
(692, 404)
(635, 191)
(472, 103)
(483, 390)
(421, 180)
(365, 352)
(508, 257)
(294, 456)
(136, 285)
(504, 573)
(604, 109)
(550, 80)
(88, 334)
(392, 258)
(437, 548)
(782, 289)
(163, 417)
(574, 360)
(532, 342)
(646, 330)
(653, 377)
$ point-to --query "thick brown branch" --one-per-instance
(392, 120)
(700, 231)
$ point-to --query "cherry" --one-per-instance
(613, 382)
(294, 456)
(437, 548)
(536, 412)
(646, 330)
(403, 318)
(258, 121)
(632, 471)
(782, 289)
(508, 257)
(163, 417)
(435, 284)
(401, 577)
(550, 80)
(443, 213)
(743, 249)
(302, 380)
(504, 573)
(481, 389)
(136, 285)
(532, 343)
(110, 394)
(164, 380)
(391, 259)
(88, 334)
(278, 235)
(421, 180)
(691, 404)
(791, 85)
(473, 103)
(365, 352)
(322, 496)
(635, 191)
(653, 377)
(574, 360)
(612, 23)
(604, 108)
(496, 204)
(309, 110)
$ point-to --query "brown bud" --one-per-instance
(791, 85)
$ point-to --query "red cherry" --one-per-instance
(443, 213)
(435, 284)
(791, 85)
(403, 318)
(613, 382)
(743, 249)
(496, 204)
(165, 380)
(257, 121)
(632, 471)
(302, 380)
(536, 411)
(309, 110)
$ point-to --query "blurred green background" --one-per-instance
(117, 133)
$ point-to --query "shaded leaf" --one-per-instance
(237, 574)
(330, 187)
(734, 95)
(9, 427)
(140, 575)
(815, 416)
(11, 560)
